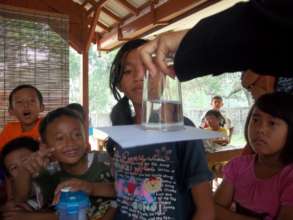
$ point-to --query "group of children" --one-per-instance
(215, 120)
(161, 181)
(45, 155)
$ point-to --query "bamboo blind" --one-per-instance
(33, 50)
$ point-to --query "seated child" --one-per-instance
(62, 131)
(13, 155)
(217, 104)
(215, 122)
(25, 103)
(260, 185)
(159, 181)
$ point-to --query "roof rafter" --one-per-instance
(111, 14)
(129, 7)
(164, 14)
(92, 29)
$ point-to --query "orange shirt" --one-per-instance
(13, 130)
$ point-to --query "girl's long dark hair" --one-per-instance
(121, 112)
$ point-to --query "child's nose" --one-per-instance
(261, 128)
(26, 104)
(70, 141)
(139, 73)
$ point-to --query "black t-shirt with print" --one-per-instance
(155, 181)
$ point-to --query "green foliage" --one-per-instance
(198, 92)
(100, 98)
(75, 76)
(99, 93)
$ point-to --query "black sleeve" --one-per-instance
(246, 36)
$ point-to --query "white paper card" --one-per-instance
(129, 136)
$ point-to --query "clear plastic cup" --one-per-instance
(162, 103)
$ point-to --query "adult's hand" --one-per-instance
(155, 53)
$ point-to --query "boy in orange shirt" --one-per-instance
(25, 103)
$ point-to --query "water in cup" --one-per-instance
(163, 115)
(162, 103)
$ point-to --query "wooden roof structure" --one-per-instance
(109, 23)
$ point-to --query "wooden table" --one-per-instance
(223, 154)
(217, 159)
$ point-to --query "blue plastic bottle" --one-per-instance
(72, 205)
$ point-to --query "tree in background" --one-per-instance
(100, 99)
(75, 76)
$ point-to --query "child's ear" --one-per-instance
(11, 111)
(42, 107)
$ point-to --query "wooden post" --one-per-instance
(85, 88)
(85, 68)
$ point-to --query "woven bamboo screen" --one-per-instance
(33, 50)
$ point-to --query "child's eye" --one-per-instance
(255, 120)
(59, 138)
(77, 134)
(127, 71)
(12, 168)
(272, 123)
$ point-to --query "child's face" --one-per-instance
(26, 106)
(217, 104)
(14, 160)
(67, 136)
(131, 83)
(266, 134)
(213, 122)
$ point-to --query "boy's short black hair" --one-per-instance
(78, 109)
(217, 97)
(277, 105)
(17, 144)
(53, 115)
(25, 86)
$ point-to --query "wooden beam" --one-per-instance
(101, 5)
(167, 13)
(133, 10)
(153, 11)
(111, 14)
(93, 2)
(92, 29)
(84, 3)
(85, 88)
(100, 24)
(93, 8)
(104, 27)
(120, 35)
